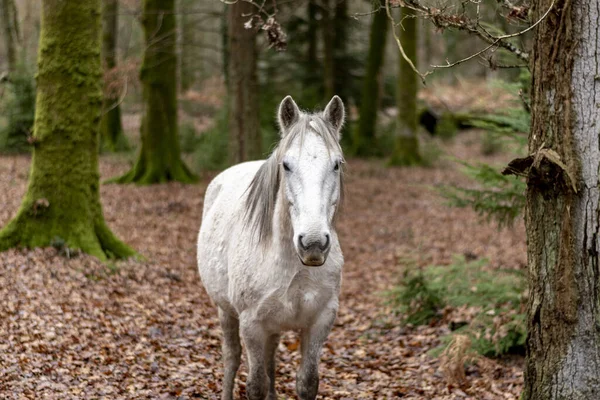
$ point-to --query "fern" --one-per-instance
(495, 196)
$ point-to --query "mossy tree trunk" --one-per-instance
(364, 139)
(112, 137)
(563, 205)
(406, 147)
(10, 30)
(244, 134)
(160, 156)
(62, 199)
(188, 67)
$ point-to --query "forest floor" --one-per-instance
(78, 329)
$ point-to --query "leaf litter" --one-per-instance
(79, 329)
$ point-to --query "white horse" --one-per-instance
(268, 254)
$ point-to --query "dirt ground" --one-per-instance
(77, 329)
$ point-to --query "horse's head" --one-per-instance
(311, 175)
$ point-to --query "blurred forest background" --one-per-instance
(190, 87)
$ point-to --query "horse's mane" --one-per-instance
(264, 188)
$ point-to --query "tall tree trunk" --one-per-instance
(244, 139)
(112, 137)
(328, 30)
(20, 108)
(563, 205)
(62, 199)
(341, 74)
(160, 156)
(311, 34)
(188, 65)
(312, 72)
(11, 32)
(406, 148)
(364, 143)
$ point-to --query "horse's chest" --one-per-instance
(296, 305)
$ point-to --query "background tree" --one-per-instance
(244, 140)
(406, 149)
(328, 31)
(10, 27)
(364, 139)
(342, 61)
(312, 10)
(112, 137)
(62, 200)
(19, 109)
(159, 159)
(187, 62)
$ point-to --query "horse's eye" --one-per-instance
(336, 167)
(286, 167)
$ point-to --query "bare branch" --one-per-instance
(450, 65)
(399, 43)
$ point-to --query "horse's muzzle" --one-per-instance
(313, 256)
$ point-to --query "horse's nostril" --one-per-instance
(301, 243)
(326, 242)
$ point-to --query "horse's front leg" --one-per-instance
(313, 338)
(255, 339)
(271, 349)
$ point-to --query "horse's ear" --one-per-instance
(288, 114)
(334, 113)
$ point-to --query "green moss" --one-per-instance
(406, 152)
(62, 198)
(19, 107)
(159, 159)
(112, 137)
(406, 149)
(111, 130)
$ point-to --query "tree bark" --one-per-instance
(244, 139)
(11, 32)
(112, 137)
(364, 139)
(563, 205)
(406, 149)
(62, 199)
(160, 156)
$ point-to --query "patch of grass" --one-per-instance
(491, 301)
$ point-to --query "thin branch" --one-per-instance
(459, 22)
(120, 99)
(464, 59)
(399, 43)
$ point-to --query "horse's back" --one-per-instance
(222, 214)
